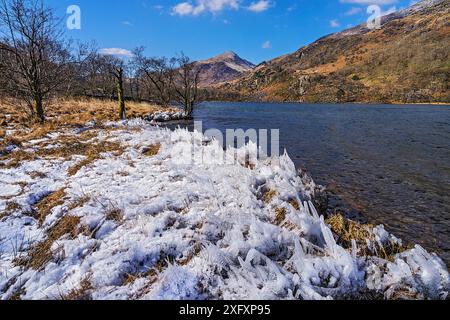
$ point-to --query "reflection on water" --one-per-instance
(391, 162)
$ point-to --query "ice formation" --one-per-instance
(188, 229)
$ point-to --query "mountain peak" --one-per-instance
(229, 55)
(224, 67)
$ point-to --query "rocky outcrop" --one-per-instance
(406, 61)
(225, 67)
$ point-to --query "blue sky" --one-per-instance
(257, 30)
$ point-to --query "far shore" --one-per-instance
(332, 103)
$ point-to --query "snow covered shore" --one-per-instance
(140, 221)
(165, 116)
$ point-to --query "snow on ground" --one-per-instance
(149, 224)
(165, 116)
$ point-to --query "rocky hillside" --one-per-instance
(405, 61)
(225, 67)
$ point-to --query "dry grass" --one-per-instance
(79, 111)
(37, 175)
(249, 165)
(11, 206)
(68, 145)
(152, 273)
(82, 293)
(194, 253)
(123, 173)
(79, 202)
(93, 152)
(26, 134)
(280, 216)
(76, 112)
(46, 205)
(8, 141)
(348, 230)
(17, 295)
(40, 254)
(69, 113)
(294, 203)
(114, 214)
(269, 195)
(130, 278)
(152, 150)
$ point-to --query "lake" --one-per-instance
(389, 162)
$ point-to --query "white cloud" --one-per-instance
(183, 9)
(260, 6)
(200, 6)
(267, 45)
(334, 24)
(292, 8)
(353, 11)
(197, 7)
(115, 52)
(369, 2)
(127, 23)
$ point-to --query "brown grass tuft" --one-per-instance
(82, 293)
(11, 207)
(40, 254)
(7, 141)
(195, 252)
(37, 175)
(17, 295)
(93, 153)
(46, 205)
(114, 214)
(130, 278)
(69, 145)
(269, 195)
(79, 202)
(294, 203)
(348, 230)
(248, 163)
(280, 216)
(152, 150)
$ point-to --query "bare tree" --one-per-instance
(186, 83)
(95, 78)
(158, 73)
(117, 68)
(34, 53)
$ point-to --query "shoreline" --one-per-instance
(331, 103)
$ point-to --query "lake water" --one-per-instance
(389, 162)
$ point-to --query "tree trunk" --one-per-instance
(122, 110)
(39, 108)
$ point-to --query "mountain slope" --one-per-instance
(407, 60)
(225, 67)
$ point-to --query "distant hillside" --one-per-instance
(225, 67)
(405, 61)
